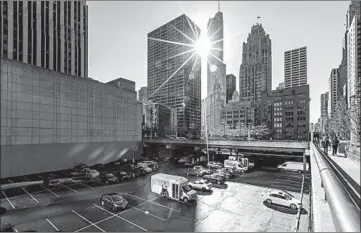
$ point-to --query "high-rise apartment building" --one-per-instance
(215, 34)
(143, 94)
(170, 81)
(324, 111)
(295, 67)
(354, 9)
(49, 34)
(333, 92)
(255, 75)
(342, 80)
(230, 86)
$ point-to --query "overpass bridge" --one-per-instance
(270, 148)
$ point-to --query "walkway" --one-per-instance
(351, 167)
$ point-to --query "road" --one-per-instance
(235, 206)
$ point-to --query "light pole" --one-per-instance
(206, 128)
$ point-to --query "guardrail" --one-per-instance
(344, 209)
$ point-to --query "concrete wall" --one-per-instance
(45, 115)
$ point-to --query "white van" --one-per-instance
(292, 166)
(172, 187)
(237, 165)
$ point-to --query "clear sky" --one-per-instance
(118, 36)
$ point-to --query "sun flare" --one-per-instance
(203, 46)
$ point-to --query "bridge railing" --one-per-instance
(344, 208)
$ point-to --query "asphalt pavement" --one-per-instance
(74, 206)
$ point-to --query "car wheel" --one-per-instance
(293, 206)
(269, 201)
(107, 182)
(185, 200)
(102, 203)
(218, 182)
(187, 174)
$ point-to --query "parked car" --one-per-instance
(230, 170)
(144, 167)
(92, 174)
(283, 199)
(292, 166)
(98, 166)
(182, 138)
(134, 171)
(53, 183)
(153, 165)
(225, 172)
(183, 160)
(121, 175)
(79, 167)
(222, 175)
(108, 178)
(197, 171)
(213, 164)
(214, 179)
(202, 184)
(206, 170)
(170, 137)
(115, 201)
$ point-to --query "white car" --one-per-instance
(283, 199)
(145, 167)
(201, 185)
(181, 138)
(216, 165)
(92, 174)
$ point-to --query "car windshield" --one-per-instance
(109, 175)
(117, 198)
(186, 188)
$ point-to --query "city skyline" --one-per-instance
(272, 18)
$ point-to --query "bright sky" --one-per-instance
(118, 36)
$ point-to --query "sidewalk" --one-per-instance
(351, 167)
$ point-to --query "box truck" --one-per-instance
(172, 187)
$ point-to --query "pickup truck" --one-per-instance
(198, 171)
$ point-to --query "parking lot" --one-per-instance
(75, 206)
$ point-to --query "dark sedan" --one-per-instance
(108, 178)
(122, 175)
(214, 179)
(114, 201)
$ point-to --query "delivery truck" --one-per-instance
(172, 187)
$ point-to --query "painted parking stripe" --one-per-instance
(8, 200)
(153, 202)
(120, 217)
(83, 184)
(16, 230)
(26, 192)
(88, 221)
(69, 188)
(49, 191)
(52, 224)
(81, 229)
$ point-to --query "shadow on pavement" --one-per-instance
(284, 209)
(220, 186)
(204, 193)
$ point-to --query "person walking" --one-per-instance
(335, 144)
(326, 144)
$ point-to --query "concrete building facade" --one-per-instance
(143, 94)
(50, 120)
(174, 80)
(49, 34)
(280, 86)
(238, 113)
(295, 67)
(286, 112)
(230, 86)
(157, 118)
(255, 75)
(214, 105)
(333, 83)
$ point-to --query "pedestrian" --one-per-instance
(335, 144)
(326, 144)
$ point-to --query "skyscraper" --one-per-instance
(175, 80)
(255, 75)
(215, 33)
(295, 67)
(333, 91)
(143, 94)
(230, 86)
(324, 111)
(49, 34)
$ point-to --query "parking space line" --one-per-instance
(120, 217)
(88, 221)
(49, 191)
(81, 229)
(145, 212)
(52, 224)
(81, 183)
(69, 188)
(27, 192)
(153, 202)
(8, 200)
(16, 230)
